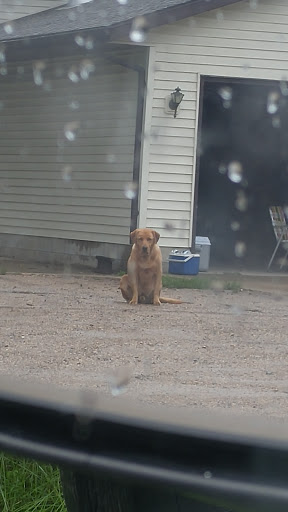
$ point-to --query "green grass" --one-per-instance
(28, 486)
(199, 283)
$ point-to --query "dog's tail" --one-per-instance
(166, 300)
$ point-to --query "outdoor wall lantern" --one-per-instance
(175, 100)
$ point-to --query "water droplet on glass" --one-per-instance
(284, 86)
(207, 474)
(241, 202)
(138, 30)
(38, 67)
(235, 225)
(73, 75)
(76, 3)
(2, 55)
(86, 67)
(272, 102)
(236, 310)
(240, 249)
(130, 190)
(74, 104)
(276, 122)
(235, 171)
(253, 4)
(66, 173)
(217, 285)
(89, 43)
(226, 93)
(79, 40)
(169, 226)
(246, 66)
(222, 168)
(219, 16)
(119, 379)
(9, 29)
(70, 130)
(111, 159)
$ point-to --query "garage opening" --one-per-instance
(243, 168)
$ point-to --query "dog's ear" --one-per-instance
(156, 236)
(133, 236)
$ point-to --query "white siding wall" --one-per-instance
(13, 9)
(50, 184)
(237, 41)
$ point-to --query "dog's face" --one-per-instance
(144, 240)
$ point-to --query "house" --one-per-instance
(14, 9)
(90, 148)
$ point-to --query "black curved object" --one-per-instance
(130, 453)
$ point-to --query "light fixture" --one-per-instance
(175, 100)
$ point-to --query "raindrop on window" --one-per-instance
(9, 29)
(235, 225)
(89, 43)
(138, 30)
(73, 75)
(217, 285)
(222, 168)
(66, 173)
(284, 86)
(240, 249)
(219, 16)
(241, 202)
(86, 67)
(111, 159)
(74, 105)
(207, 474)
(38, 67)
(253, 4)
(235, 171)
(79, 40)
(273, 102)
(169, 225)
(119, 379)
(2, 55)
(70, 130)
(276, 122)
(226, 93)
(130, 190)
(76, 3)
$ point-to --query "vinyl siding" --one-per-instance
(66, 151)
(236, 41)
(13, 9)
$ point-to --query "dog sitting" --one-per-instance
(143, 282)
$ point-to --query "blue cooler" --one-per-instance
(183, 262)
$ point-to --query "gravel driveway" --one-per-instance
(221, 350)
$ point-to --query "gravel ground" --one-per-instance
(221, 350)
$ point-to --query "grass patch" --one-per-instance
(28, 486)
(199, 283)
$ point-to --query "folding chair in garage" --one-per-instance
(280, 228)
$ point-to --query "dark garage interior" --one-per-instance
(243, 169)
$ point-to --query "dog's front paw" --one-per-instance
(133, 301)
(156, 302)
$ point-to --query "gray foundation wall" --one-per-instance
(58, 251)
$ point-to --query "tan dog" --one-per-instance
(143, 282)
